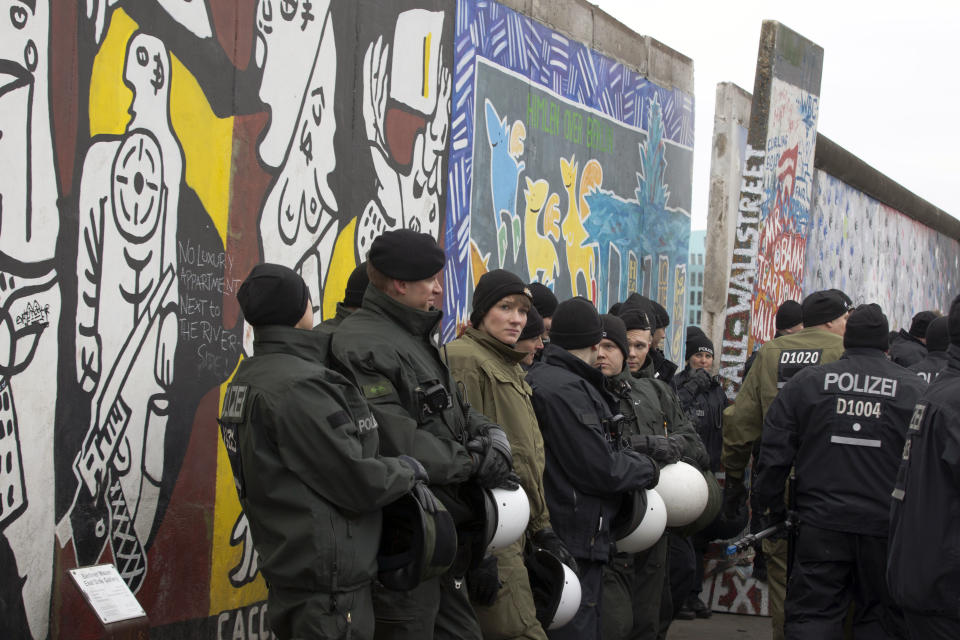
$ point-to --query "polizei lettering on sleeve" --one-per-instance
(233, 401)
(860, 383)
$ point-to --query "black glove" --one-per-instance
(547, 540)
(734, 498)
(699, 380)
(663, 449)
(419, 473)
(492, 460)
(511, 482)
(775, 516)
(421, 492)
(483, 583)
(647, 460)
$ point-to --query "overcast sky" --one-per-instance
(891, 77)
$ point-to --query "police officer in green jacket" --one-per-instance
(303, 447)
(390, 348)
(485, 362)
(352, 298)
(636, 590)
(819, 342)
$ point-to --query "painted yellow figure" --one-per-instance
(542, 261)
(581, 258)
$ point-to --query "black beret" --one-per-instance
(698, 343)
(576, 324)
(821, 307)
(615, 331)
(614, 309)
(953, 321)
(407, 255)
(920, 322)
(637, 302)
(273, 294)
(492, 287)
(356, 285)
(789, 314)
(660, 312)
(938, 334)
(534, 326)
(867, 327)
(543, 299)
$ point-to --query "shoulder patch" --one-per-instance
(917, 419)
(234, 401)
(338, 419)
(378, 389)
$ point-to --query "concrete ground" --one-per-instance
(721, 626)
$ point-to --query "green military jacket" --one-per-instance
(391, 351)
(493, 382)
(776, 362)
(658, 412)
(303, 446)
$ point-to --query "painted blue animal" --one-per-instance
(505, 168)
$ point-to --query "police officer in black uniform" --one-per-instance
(924, 564)
(586, 473)
(938, 339)
(909, 347)
(843, 425)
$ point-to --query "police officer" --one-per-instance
(352, 298)
(909, 347)
(938, 339)
(702, 398)
(545, 302)
(659, 319)
(390, 347)
(485, 362)
(303, 446)
(819, 342)
(585, 473)
(637, 600)
(843, 425)
(923, 572)
(530, 341)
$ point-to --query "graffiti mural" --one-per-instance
(877, 254)
(152, 153)
(566, 167)
(785, 205)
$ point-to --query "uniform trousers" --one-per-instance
(437, 608)
(831, 569)
(924, 627)
(325, 616)
(513, 615)
(633, 592)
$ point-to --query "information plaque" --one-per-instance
(106, 593)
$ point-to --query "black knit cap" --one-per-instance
(492, 287)
(920, 322)
(693, 330)
(697, 344)
(789, 314)
(938, 334)
(407, 255)
(273, 294)
(635, 319)
(356, 285)
(576, 324)
(643, 304)
(615, 331)
(867, 327)
(534, 326)
(543, 299)
(953, 321)
(821, 307)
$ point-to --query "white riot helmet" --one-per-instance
(555, 587)
(640, 522)
(684, 492)
(507, 513)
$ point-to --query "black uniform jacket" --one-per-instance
(906, 350)
(923, 571)
(843, 424)
(703, 400)
(585, 474)
(931, 366)
(304, 450)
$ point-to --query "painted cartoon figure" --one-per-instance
(581, 258)
(406, 113)
(506, 147)
(30, 309)
(126, 328)
(543, 264)
(297, 56)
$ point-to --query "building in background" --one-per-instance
(698, 241)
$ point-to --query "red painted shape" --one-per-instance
(64, 90)
(233, 26)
